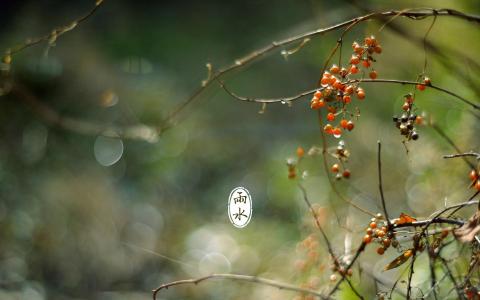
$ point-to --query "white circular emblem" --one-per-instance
(240, 207)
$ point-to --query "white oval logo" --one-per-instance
(240, 207)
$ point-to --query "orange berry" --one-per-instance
(373, 74)
(370, 41)
(334, 69)
(347, 99)
(355, 45)
(360, 93)
(366, 63)
(337, 131)
(335, 168)
(321, 103)
(419, 120)
(477, 185)
(377, 49)
(300, 152)
(350, 125)
(420, 87)
(386, 243)
(380, 233)
(373, 225)
(318, 94)
(327, 74)
(325, 80)
(330, 116)
(473, 175)
(380, 250)
(367, 239)
(343, 124)
(359, 50)
(346, 174)
(354, 59)
(349, 89)
(328, 128)
(369, 231)
(353, 69)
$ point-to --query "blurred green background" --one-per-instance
(87, 217)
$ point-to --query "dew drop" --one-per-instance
(107, 150)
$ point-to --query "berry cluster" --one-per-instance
(475, 178)
(341, 154)
(407, 121)
(337, 87)
(377, 231)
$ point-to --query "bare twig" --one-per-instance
(91, 128)
(55, 33)
(237, 277)
(380, 185)
(470, 154)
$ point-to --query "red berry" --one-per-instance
(318, 94)
(367, 239)
(300, 152)
(325, 80)
(477, 185)
(350, 125)
(381, 250)
(406, 106)
(330, 117)
(337, 131)
(335, 168)
(328, 129)
(378, 49)
(473, 175)
(346, 174)
(427, 81)
(348, 89)
(360, 93)
(373, 74)
(347, 99)
(353, 69)
(334, 69)
(354, 59)
(370, 41)
(366, 63)
(420, 87)
(344, 124)
(372, 225)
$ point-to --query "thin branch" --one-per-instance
(380, 185)
(253, 56)
(55, 33)
(471, 153)
(364, 80)
(91, 128)
(237, 277)
(442, 133)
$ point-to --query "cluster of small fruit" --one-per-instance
(341, 154)
(337, 88)
(306, 266)
(310, 268)
(407, 121)
(377, 231)
(475, 178)
(292, 163)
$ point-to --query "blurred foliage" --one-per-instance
(86, 217)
